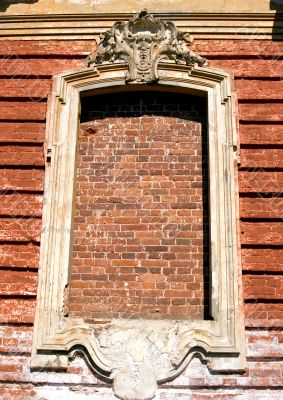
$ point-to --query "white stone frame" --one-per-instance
(220, 342)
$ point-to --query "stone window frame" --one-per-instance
(219, 342)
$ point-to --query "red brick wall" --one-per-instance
(25, 76)
(139, 225)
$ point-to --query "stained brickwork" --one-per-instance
(140, 225)
(257, 70)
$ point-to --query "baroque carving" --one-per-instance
(142, 353)
(142, 43)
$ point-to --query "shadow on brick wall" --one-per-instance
(277, 31)
(5, 4)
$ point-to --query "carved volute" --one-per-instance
(142, 43)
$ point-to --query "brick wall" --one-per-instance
(25, 76)
(140, 222)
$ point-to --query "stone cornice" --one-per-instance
(89, 26)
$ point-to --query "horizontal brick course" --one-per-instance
(17, 311)
(21, 180)
(34, 88)
(263, 287)
(258, 180)
(15, 132)
(21, 155)
(259, 112)
(47, 47)
(18, 283)
(15, 204)
(257, 68)
(261, 134)
(238, 48)
(259, 207)
(19, 229)
(265, 343)
(17, 110)
(257, 89)
(224, 48)
(267, 315)
(261, 233)
(262, 259)
(15, 339)
(262, 158)
(36, 66)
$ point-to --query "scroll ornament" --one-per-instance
(142, 43)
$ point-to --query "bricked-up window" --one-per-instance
(140, 244)
(88, 273)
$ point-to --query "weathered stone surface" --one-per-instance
(142, 43)
(88, 6)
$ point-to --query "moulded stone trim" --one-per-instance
(205, 25)
(141, 352)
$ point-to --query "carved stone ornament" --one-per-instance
(142, 43)
(142, 353)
